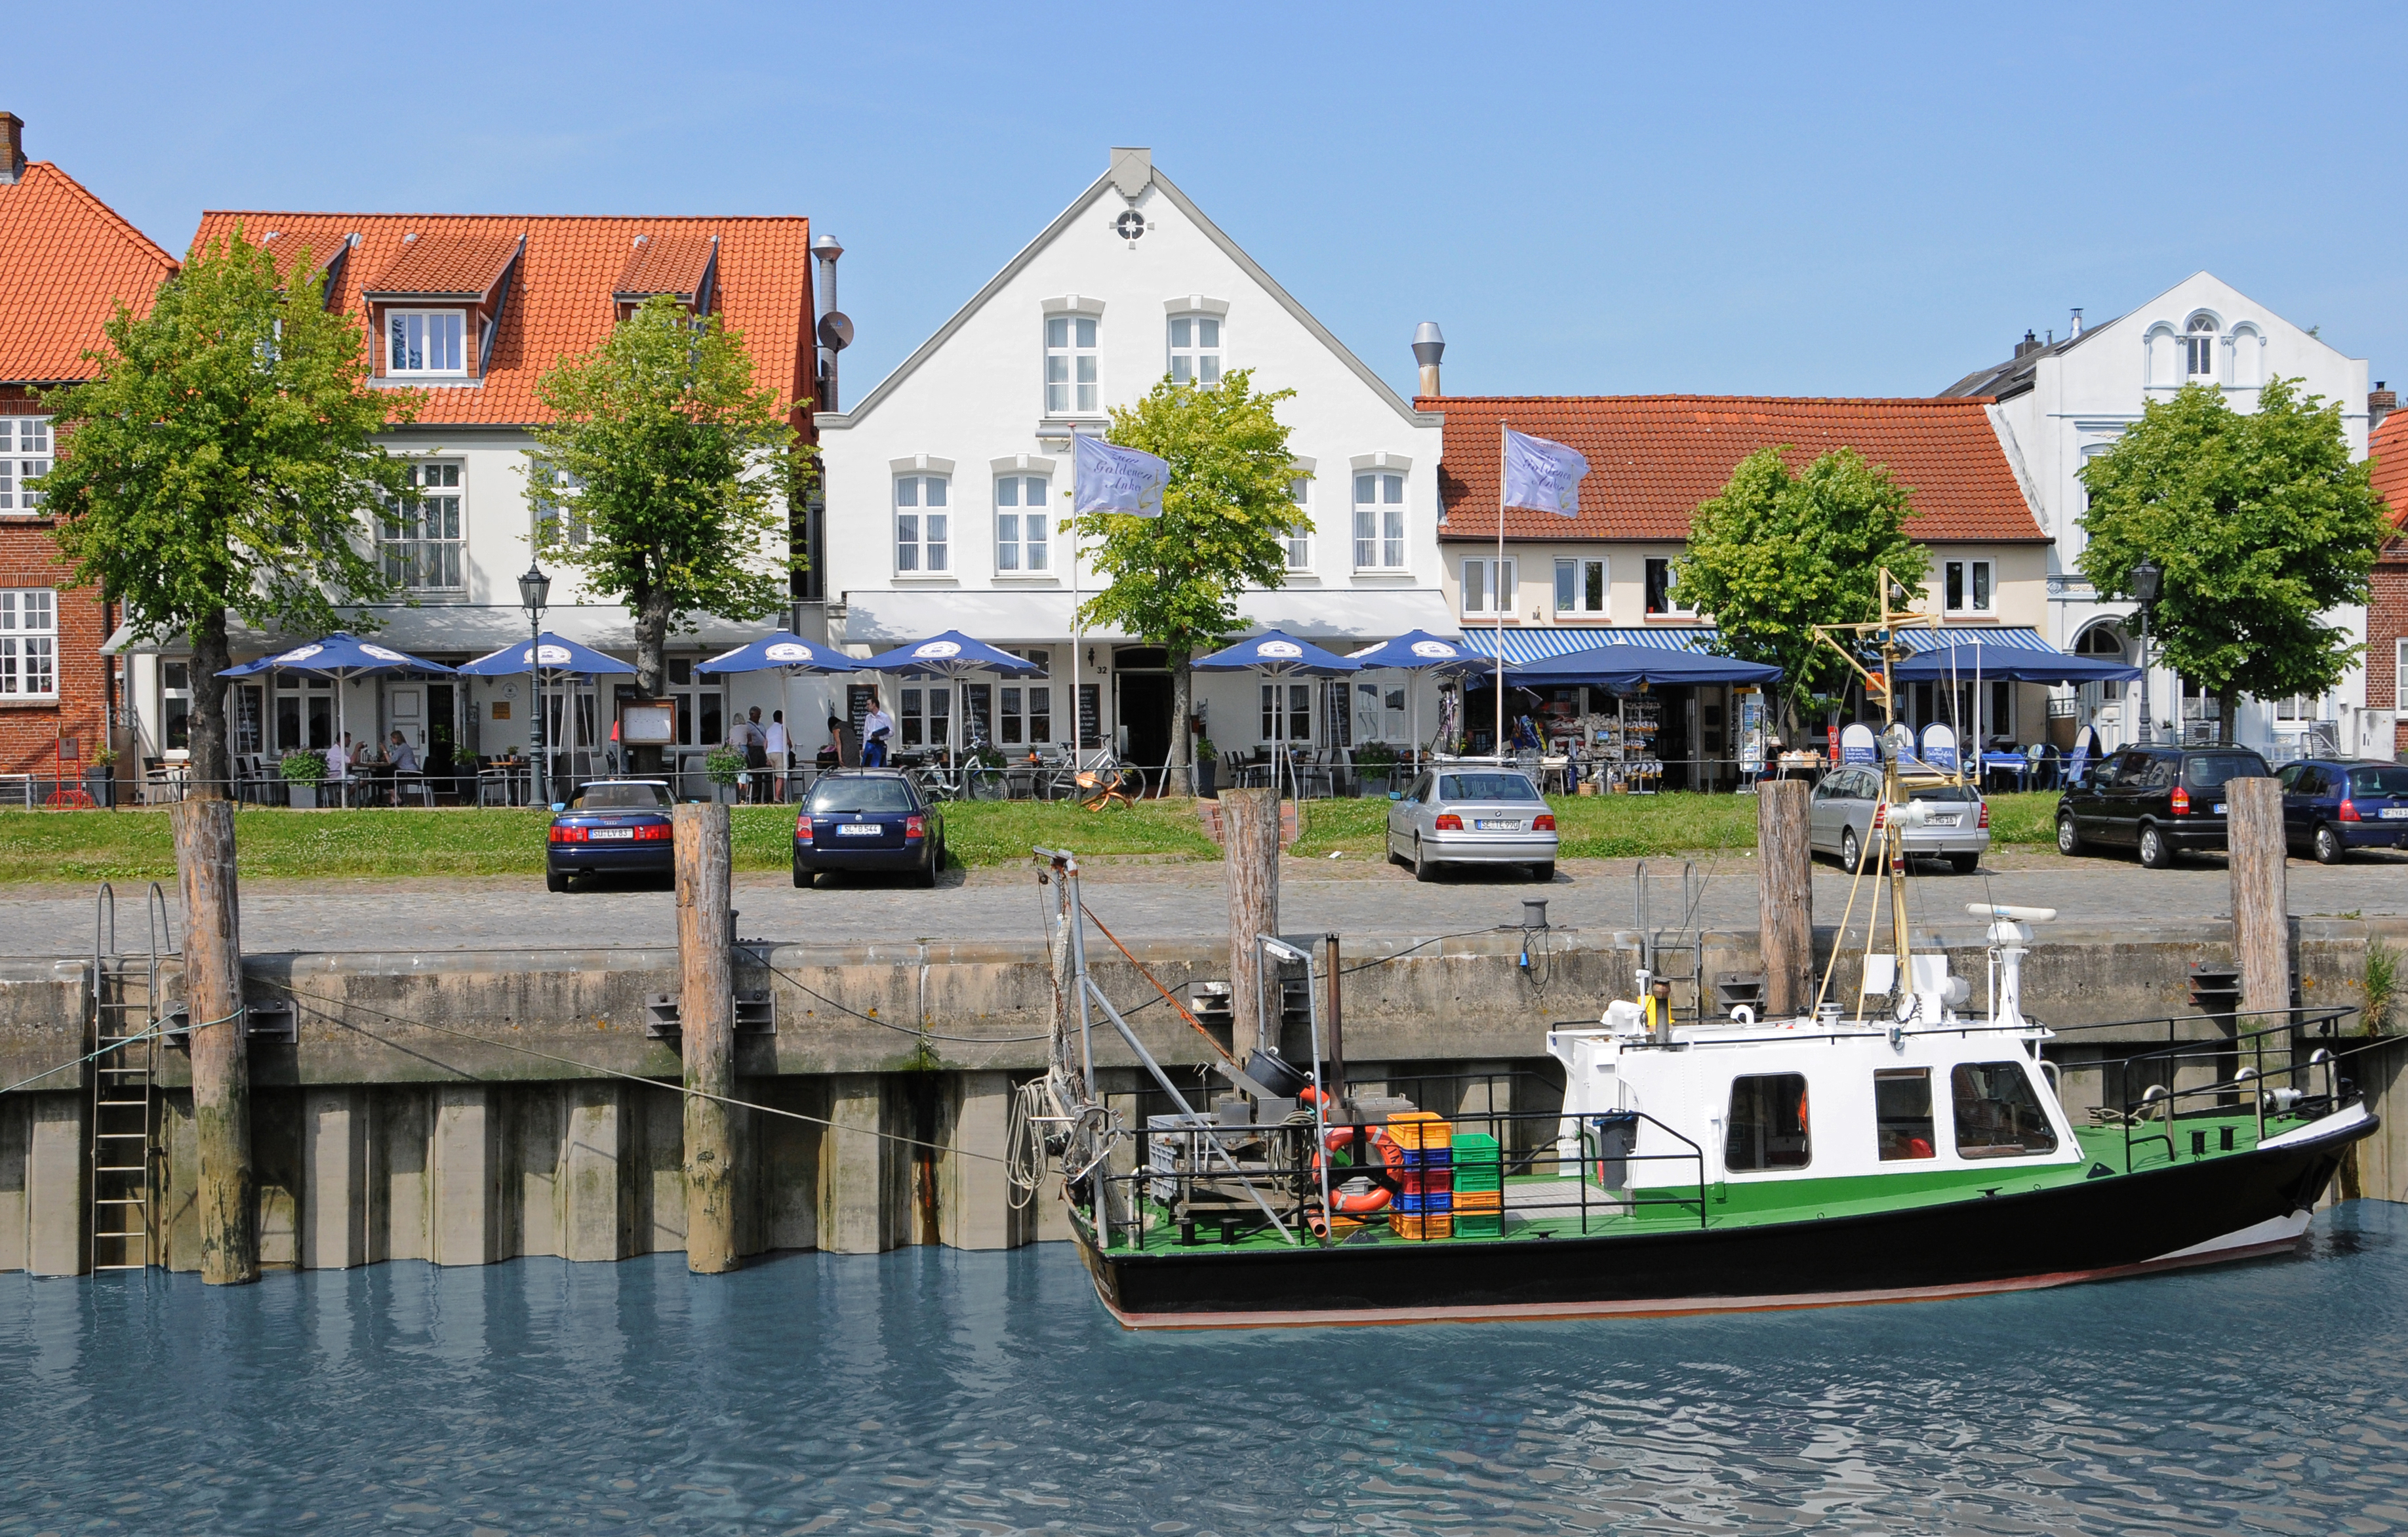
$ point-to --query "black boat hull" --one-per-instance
(2230, 1207)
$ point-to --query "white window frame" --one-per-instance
(410, 546)
(1193, 358)
(29, 643)
(1281, 702)
(1074, 383)
(25, 458)
(2399, 674)
(557, 503)
(1572, 583)
(441, 335)
(1477, 580)
(927, 552)
(1381, 502)
(1298, 537)
(1969, 585)
(2199, 348)
(1674, 608)
(1022, 554)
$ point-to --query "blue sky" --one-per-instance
(1588, 199)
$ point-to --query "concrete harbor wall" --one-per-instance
(459, 1107)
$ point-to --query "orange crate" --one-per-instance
(1479, 1200)
(1420, 1130)
(1421, 1228)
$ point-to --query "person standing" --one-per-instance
(876, 727)
(747, 737)
(779, 748)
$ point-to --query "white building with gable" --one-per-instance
(2064, 401)
(946, 485)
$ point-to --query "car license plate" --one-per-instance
(2395, 813)
(859, 829)
(1946, 821)
(1492, 824)
(2219, 808)
(602, 834)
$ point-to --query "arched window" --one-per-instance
(2198, 348)
(2248, 357)
(2104, 640)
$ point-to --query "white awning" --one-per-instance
(883, 617)
(442, 631)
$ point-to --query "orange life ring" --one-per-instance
(1377, 1198)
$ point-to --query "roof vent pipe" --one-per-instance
(1428, 347)
(834, 332)
(2077, 321)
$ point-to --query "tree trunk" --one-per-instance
(652, 670)
(2227, 707)
(212, 763)
(1176, 778)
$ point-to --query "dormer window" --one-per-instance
(425, 341)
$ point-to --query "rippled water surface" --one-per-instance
(941, 1392)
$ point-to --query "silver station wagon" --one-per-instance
(1840, 819)
(1471, 814)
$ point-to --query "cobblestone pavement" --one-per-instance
(1354, 897)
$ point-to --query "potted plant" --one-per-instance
(1375, 764)
(100, 779)
(1208, 769)
(724, 769)
(303, 773)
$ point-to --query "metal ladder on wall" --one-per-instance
(1684, 942)
(125, 1043)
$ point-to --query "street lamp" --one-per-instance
(535, 595)
(2147, 577)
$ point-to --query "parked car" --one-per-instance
(868, 819)
(1471, 814)
(1839, 818)
(614, 827)
(2331, 806)
(2159, 800)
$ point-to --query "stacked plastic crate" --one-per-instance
(1424, 1208)
(1478, 1205)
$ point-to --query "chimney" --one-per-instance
(2029, 344)
(2381, 402)
(12, 149)
(1428, 347)
(835, 330)
(2077, 321)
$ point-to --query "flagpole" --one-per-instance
(1497, 590)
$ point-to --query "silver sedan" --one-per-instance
(1471, 814)
(1955, 826)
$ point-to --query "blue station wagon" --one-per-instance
(868, 819)
(2331, 806)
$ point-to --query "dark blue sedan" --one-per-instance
(868, 819)
(613, 827)
(2330, 807)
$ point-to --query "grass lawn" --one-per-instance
(136, 845)
(1640, 827)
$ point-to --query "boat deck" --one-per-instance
(1549, 1205)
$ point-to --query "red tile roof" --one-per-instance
(1653, 458)
(2388, 449)
(665, 264)
(560, 300)
(65, 260)
(445, 261)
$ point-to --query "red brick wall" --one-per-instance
(29, 557)
(2387, 621)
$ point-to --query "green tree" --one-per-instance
(668, 472)
(1176, 578)
(222, 463)
(2262, 526)
(1774, 554)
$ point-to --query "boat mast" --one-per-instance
(1893, 798)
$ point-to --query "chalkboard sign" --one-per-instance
(1091, 716)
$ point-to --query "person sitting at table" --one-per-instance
(403, 757)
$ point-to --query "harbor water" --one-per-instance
(931, 1390)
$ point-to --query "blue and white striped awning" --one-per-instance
(1525, 646)
(1998, 637)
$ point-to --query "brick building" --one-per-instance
(66, 261)
(2387, 609)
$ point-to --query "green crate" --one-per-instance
(1490, 1225)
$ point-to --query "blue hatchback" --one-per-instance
(611, 826)
(868, 819)
(2331, 806)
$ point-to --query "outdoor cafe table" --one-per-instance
(2008, 763)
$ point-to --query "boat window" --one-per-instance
(1997, 1114)
(1768, 1123)
(1902, 1109)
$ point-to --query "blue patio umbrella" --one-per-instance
(341, 656)
(956, 657)
(786, 653)
(546, 655)
(1276, 653)
(1974, 656)
(1419, 651)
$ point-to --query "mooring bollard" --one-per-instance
(2261, 920)
(1784, 873)
(220, 1044)
(707, 1034)
(1250, 832)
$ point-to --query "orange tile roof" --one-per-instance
(2388, 449)
(445, 261)
(67, 260)
(1653, 458)
(560, 301)
(665, 264)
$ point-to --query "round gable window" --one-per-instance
(1129, 225)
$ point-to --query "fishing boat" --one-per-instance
(1901, 1146)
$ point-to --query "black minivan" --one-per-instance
(2160, 800)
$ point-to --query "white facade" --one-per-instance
(1130, 284)
(2064, 402)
